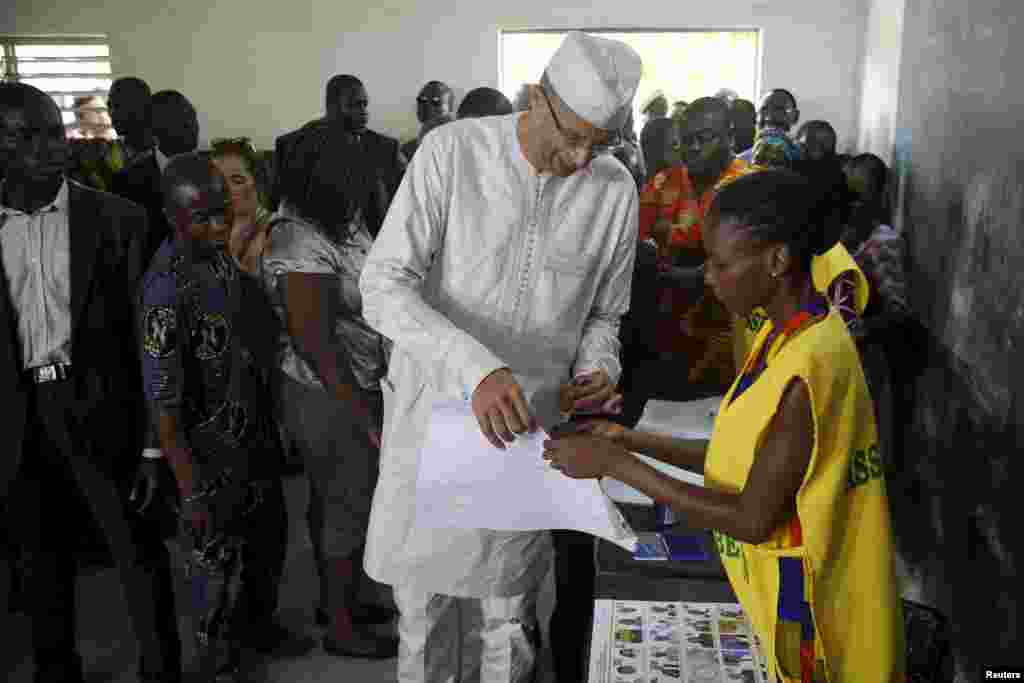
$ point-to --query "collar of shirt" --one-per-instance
(59, 203)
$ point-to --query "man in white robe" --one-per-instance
(500, 274)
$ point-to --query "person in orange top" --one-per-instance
(693, 326)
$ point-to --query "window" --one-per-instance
(74, 70)
(683, 64)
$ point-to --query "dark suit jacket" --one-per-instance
(283, 148)
(139, 182)
(105, 269)
(381, 152)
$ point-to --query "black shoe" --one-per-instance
(274, 639)
(362, 646)
(322, 617)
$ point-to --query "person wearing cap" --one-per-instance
(500, 274)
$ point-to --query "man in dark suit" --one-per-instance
(175, 130)
(71, 390)
(341, 145)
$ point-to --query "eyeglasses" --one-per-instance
(577, 142)
(423, 99)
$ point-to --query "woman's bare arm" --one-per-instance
(769, 497)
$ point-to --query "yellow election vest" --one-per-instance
(824, 271)
(846, 547)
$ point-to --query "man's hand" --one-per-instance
(151, 481)
(661, 233)
(501, 409)
(592, 392)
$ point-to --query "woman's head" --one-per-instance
(318, 181)
(241, 166)
(867, 179)
(762, 231)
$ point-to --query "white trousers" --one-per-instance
(445, 639)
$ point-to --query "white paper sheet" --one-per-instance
(624, 493)
(681, 419)
(466, 483)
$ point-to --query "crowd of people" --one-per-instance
(178, 320)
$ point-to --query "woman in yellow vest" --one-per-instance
(795, 490)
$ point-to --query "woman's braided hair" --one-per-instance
(780, 207)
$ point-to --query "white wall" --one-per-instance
(257, 67)
(880, 77)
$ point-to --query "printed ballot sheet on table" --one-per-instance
(466, 483)
(674, 642)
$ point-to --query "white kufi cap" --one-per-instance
(595, 77)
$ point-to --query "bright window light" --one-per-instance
(685, 65)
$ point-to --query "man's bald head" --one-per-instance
(778, 109)
(347, 102)
(197, 201)
(175, 123)
(484, 101)
(435, 101)
(818, 140)
(33, 143)
(128, 104)
(705, 137)
(29, 99)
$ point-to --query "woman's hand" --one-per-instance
(602, 428)
(583, 456)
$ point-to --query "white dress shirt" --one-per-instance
(483, 263)
(37, 265)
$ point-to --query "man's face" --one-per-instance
(574, 141)
(777, 111)
(817, 144)
(433, 102)
(33, 144)
(183, 136)
(704, 141)
(203, 209)
(125, 111)
(351, 109)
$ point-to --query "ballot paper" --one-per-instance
(465, 482)
(674, 642)
(681, 419)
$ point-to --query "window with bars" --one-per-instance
(74, 70)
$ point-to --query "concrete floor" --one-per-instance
(108, 647)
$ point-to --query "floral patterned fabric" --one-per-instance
(672, 214)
